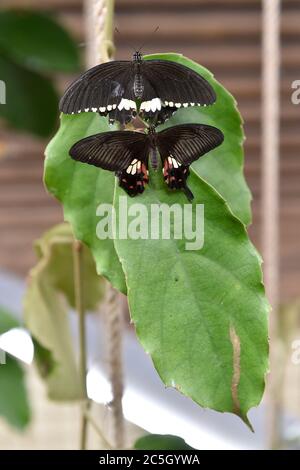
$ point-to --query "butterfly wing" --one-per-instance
(171, 85)
(123, 116)
(124, 152)
(181, 145)
(106, 88)
(159, 115)
(187, 142)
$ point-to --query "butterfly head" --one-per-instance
(137, 56)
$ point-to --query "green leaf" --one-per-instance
(36, 41)
(14, 406)
(223, 167)
(161, 442)
(81, 188)
(202, 314)
(46, 317)
(31, 101)
(44, 359)
(55, 248)
(46, 308)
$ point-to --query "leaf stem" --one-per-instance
(79, 300)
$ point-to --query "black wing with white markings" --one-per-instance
(111, 88)
(101, 89)
(175, 85)
(181, 145)
(112, 151)
(124, 152)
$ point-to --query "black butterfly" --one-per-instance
(124, 88)
(127, 153)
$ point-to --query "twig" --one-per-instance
(99, 16)
(114, 322)
(78, 288)
(108, 47)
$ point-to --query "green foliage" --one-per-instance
(188, 305)
(161, 442)
(31, 100)
(202, 314)
(81, 188)
(35, 41)
(55, 249)
(43, 359)
(30, 45)
(14, 406)
(49, 296)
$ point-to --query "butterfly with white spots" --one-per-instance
(127, 153)
(154, 89)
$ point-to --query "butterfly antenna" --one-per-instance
(118, 32)
(152, 34)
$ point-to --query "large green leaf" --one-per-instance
(14, 406)
(31, 101)
(81, 188)
(223, 167)
(46, 308)
(201, 315)
(37, 41)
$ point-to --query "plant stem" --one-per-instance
(114, 328)
(78, 287)
(109, 22)
(108, 42)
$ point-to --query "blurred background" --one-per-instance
(224, 36)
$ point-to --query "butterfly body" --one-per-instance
(138, 83)
(154, 89)
(128, 153)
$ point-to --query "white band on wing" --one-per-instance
(151, 105)
(126, 104)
